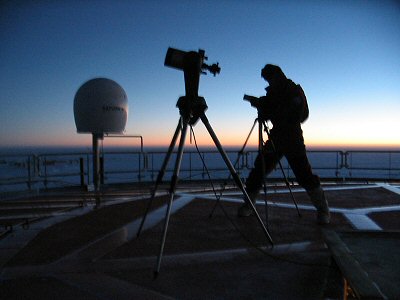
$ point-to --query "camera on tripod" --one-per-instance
(183, 60)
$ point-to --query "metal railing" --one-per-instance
(375, 164)
(27, 172)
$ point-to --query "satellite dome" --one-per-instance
(100, 106)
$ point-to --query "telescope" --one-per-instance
(192, 64)
(185, 61)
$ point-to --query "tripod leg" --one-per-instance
(283, 172)
(290, 189)
(174, 181)
(160, 174)
(236, 162)
(233, 172)
(260, 153)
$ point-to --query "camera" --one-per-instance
(250, 98)
(254, 101)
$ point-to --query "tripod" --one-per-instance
(262, 123)
(262, 127)
(191, 108)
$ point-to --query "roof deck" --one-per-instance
(71, 244)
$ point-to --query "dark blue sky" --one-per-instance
(345, 54)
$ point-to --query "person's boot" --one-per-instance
(245, 210)
(318, 199)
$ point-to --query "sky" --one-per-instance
(345, 55)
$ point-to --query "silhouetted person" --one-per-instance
(285, 105)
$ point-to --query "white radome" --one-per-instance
(100, 107)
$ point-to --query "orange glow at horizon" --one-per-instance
(206, 141)
(203, 139)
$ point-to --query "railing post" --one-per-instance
(190, 165)
(45, 172)
(145, 163)
(247, 160)
(36, 166)
(203, 174)
(102, 170)
(344, 159)
(29, 173)
(82, 171)
(152, 167)
(88, 168)
(140, 167)
(348, 166)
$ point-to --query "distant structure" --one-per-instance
(100, 107)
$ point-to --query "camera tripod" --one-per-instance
(262, 127)
(191, 109)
